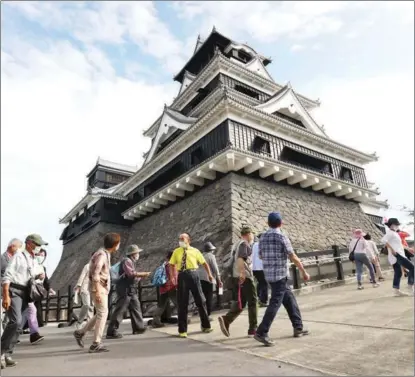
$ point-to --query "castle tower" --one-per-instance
(233, 146)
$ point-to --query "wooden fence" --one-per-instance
(324, 264)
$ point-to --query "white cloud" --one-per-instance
(297, 47)
(61, 109)
(374, 114)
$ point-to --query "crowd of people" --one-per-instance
(253, 267)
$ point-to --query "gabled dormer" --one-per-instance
(166, 128)
(187, 80)
(286, 104)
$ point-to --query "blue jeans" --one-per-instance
(360, 260)
(280, 294)
(406, 263)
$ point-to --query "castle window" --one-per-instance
(196, 157)
(114, 178)
(346, 174)
(306, 161)
(261, 146)
(246, 91)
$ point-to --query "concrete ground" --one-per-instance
(353, 332)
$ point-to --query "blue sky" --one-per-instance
(83, 79)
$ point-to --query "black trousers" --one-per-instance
(126, 301)
(262, 286)
(207, 289)
(189, 281)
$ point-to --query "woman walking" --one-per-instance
(360, 252)
(375, 252)
(207, 286)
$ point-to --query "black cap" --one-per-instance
(209, 247)
(393, 221)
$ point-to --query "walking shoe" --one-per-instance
(207, 330)
(183, 335)
(79, 337)
(376, 285)
(36, 338)
(265, 340)
(382, 279)
(115, 335)
(360, 287)
(251, 333)
(263, 304)
(98, 348)
(3, 362)
(26, 331)
(139, 332)
(9, 361)
(300, 332)
(224, 326)
(399, 293)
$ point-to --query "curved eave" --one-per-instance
(237, 160)
(74, 211)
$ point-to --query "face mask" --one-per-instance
(182, 244)
(394, 227)
(37, 249)
(40, 259)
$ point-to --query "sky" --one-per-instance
(84, 79)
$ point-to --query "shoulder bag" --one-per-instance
(36, 290)
(351, 255)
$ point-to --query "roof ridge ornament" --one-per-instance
(214, 29)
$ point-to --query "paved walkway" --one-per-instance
(353, 333)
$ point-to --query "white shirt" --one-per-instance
(256, 262)
(362, 247)
(373, 247)
(21, 269)
(392, 238)
(83, 281)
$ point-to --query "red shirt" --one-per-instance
(404, 235)
(169, 286)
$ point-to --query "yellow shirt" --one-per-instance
(194, 258)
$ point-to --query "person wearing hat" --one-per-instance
(274, 250)
(360, 250)
(207, 286)
(127, 293)
(15, 285)
(397, 257)
(243, 285)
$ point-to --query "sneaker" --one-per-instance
(300, 332)
(382, 279)
(263, 304)
(224, 326)
(26, 331)
(115, 335)
(98, 348)
(3, 362)
(207, 330)
(251, 333)
(376, 285)
(9, 362)
(360, 287)
(265, 340)
(183, 335)
(139, 332)
(36, 338)
(79, 337)
(399, 293)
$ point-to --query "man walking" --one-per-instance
(262, 285)
(243, 286)
(82, 288)
(274, 249)
(100, 280)
(186, 260)
(127, 293)
(12, 248)
(21, 269)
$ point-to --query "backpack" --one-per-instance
(228, 265)
(115, 272)
(160, 276)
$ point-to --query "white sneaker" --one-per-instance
(376, 285)
(399, 293)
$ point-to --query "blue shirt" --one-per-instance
(274, 249)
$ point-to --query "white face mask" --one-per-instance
(40, 259)
(394, 227)
(182, 244)
(37, 249)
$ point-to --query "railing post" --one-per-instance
(296, 277)
(47, 309)
(58, 306)
(70, 303)
(338, 261)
